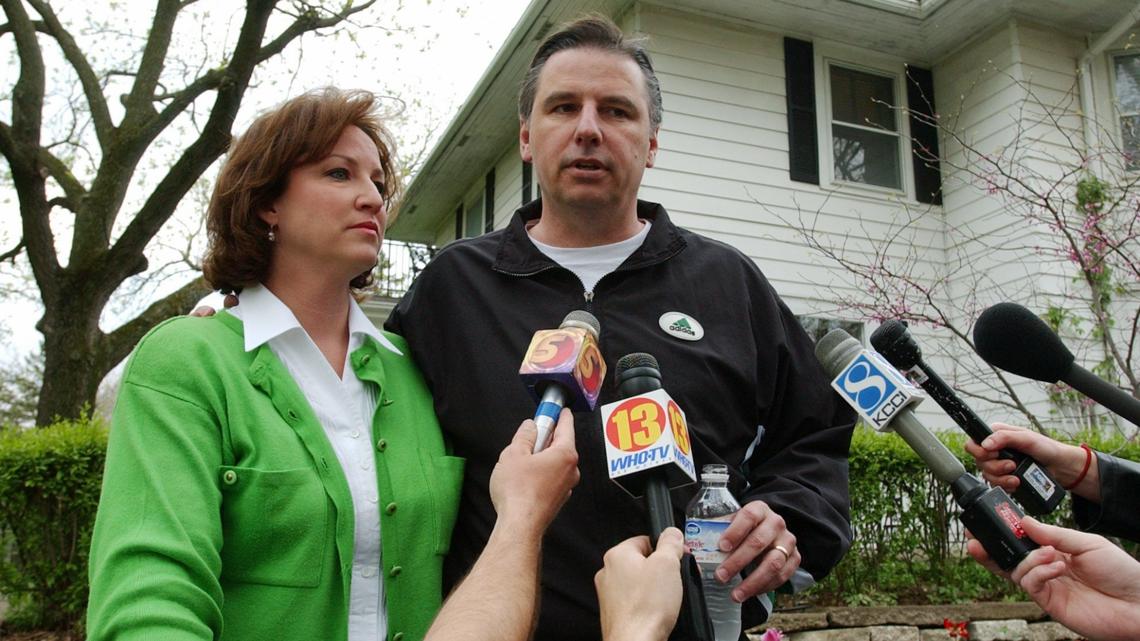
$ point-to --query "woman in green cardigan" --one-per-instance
(276, 471)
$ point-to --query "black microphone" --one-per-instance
(1010, 337)
(883, 398)
(1038, 491)
(647, 450)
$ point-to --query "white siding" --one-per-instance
(722, 170)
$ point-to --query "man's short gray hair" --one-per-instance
(594, 32)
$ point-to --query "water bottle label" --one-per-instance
(702, 537)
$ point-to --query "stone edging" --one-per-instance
(985, 622)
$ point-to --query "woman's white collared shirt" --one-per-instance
(344, 407)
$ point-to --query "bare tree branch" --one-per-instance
(215, 134)
(11, 254)
(120, 342)
(20, 144)
(138, 102)
(97, 104)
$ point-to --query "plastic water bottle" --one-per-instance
(706, 519)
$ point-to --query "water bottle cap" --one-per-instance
(715, 472)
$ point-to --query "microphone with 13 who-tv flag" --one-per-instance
(1010, 337)
(563, 368)
(648, 451)
(1038, 492)
(884, 399)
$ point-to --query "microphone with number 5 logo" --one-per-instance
(563, 368)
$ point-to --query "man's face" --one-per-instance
(589, 136)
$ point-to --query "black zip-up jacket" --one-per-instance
(469, 318)
(1118, 513)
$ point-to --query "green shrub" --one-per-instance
(50, 480)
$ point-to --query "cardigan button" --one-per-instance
(390, 509)
(395, 571)
(229, 477)
(382, 445)
(399, 636)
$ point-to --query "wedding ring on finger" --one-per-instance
(784, 550)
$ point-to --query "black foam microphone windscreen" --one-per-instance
(1014, 339)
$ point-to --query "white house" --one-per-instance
(782, 115)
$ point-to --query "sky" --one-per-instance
(425, 55)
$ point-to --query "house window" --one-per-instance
(865, 138)
(1127, 85)
(817, 327)
(473, 220)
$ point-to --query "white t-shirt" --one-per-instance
(590, 264)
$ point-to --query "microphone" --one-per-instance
(647, 439)
(563, 368)
(1010, 337)
(648, 451)
(1038, 492)
(885, 399)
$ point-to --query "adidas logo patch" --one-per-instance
(681, 325)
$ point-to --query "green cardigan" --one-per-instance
(225, 514)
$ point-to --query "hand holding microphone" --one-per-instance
(648, 451)
(563, 368)
(528, 489)
(639, 589)
(1074, 467)
(1081, 580)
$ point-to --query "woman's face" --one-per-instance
(331, 215)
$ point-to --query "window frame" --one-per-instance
(1117, 108)
(828, 56)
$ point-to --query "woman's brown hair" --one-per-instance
(256, 172)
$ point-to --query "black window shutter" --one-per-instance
(459, 222)
(923, 135)
(799, 77)
(526, 180)
(489, 201)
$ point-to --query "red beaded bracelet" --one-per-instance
(1088, 462)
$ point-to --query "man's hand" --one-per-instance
(639, 589)
(1065, 462)
(203, 311)
(1081, 580)
(756, 532)
(528, 489)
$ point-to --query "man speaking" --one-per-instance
(731, 353)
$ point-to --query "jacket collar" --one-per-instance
(517, 254)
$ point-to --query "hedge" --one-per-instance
(50, 479)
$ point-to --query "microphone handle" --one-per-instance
(546, 416)
(660, 506)
(694, 616)
(1104, 393)
(1038, 491)
(946, 467)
